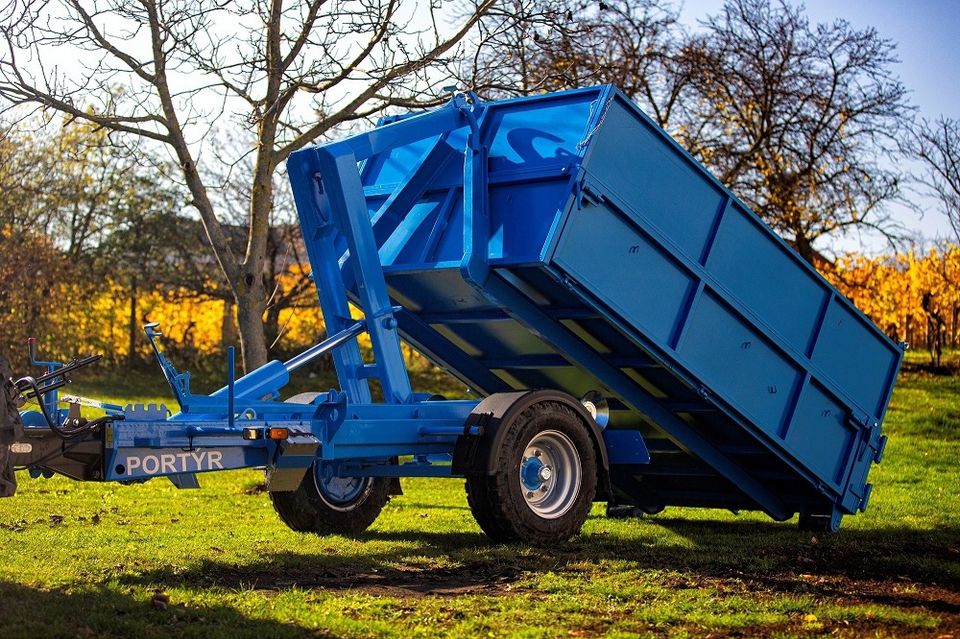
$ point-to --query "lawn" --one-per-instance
(97, 560)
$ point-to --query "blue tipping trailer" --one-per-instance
(638, 336)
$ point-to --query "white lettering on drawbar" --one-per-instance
(173, 463)
(151, 465)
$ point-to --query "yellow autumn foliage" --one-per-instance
(97, 320)
(912, 296)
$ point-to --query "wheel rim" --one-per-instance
(550, 474)
(341, 493)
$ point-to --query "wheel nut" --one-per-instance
(545, 473)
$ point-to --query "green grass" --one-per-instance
(88, 560)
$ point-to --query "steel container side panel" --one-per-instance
(745, 263)
(608, 256)
(763, 275)
(682, 261)
(746, 370)
(624, 270)
(632, 161)
(826, 438)
(855, 359)
(738, 363)
(804, 311)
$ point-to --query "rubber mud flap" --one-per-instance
(11, 429)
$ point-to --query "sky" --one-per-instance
(927, 35)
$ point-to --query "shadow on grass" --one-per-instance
(410, 571)
(893, 565)
(725, 548)
(776, 558)
(99, 611)
(423, 505)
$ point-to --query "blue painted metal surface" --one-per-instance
(565, 241)
(560, 241)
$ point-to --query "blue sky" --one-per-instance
(927, 35)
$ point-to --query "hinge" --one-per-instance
(880, 448)
(586, 195)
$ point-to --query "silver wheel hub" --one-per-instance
(341, 493)
(550, 474)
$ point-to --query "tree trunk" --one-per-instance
(253, 341)
(953, 326)
(803, 246)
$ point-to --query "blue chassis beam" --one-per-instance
(373, 433)
(361, 444)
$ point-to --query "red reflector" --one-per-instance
(278, 433)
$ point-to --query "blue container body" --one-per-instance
(617, 263)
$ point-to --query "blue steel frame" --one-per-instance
(355, 436)
(346, 431)
(505, 294)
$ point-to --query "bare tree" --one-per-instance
(801, 121)
(937, 146)
(30, 268)
(547, 45)
(167, 72)
(504, 60)
(89, 180)
(67, 181)
(287, 268)
(28, 173)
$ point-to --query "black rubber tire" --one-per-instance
(497, 501)
(305, 509)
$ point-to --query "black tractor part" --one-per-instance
(11, 429)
